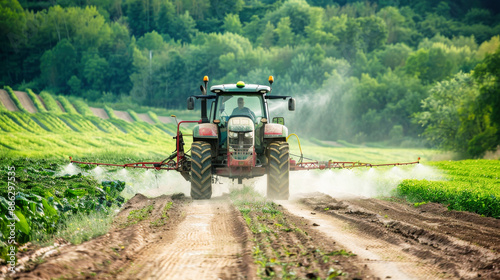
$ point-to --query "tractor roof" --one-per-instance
(245, 88)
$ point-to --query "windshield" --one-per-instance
(251, 106)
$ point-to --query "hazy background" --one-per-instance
(387, 73)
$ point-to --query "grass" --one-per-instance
(362, 154)
(471, 185)
(80, 227)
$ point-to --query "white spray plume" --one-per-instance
(346, 183)
(343, 183)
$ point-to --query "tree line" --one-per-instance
(382, 70)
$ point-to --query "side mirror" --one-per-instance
(190, 101)
(279, 120)
(291, 104)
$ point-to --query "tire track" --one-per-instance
(385, 260)
(205, 246)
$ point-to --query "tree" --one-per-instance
(284, 32)
(58, 65)
(95, 71)
(315, 30)
(165, 17)
(253, 29)
(268, 37)
(487, 74)
(220, 8)
(232, 24)
(183, 28)
(394, 56)
(373, 33)
(151, 41)
(451, 120)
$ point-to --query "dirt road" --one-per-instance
(211, 240)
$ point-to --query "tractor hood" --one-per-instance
(240, 124)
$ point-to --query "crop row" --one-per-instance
(471, 185)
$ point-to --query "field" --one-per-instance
(59, 203)
(471, 185)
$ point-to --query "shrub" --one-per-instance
(50, 103)
(38, 104)
(15, 99)
(66, 105)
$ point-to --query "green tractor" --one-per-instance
(234, 139)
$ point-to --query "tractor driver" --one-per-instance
(242, 110)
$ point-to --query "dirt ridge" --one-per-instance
(429, 232)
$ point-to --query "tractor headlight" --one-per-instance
(233, 134)
(249, 134)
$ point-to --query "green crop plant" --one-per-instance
(68, 107)
(110, 112)
(50, 103)
(153, 117)
(2, 107)
(38, 104)
(134, 115)
(45, 202)
(83, 108)
(472, 185)
(136, 216)
(14, 98)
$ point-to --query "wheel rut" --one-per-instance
(205, 245)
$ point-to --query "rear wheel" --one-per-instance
(201, 170)
(278, 171)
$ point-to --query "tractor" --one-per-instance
(236, 140)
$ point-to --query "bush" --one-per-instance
(66, 105)
(38, 104)
(50, 103)
(153, 117)
(15, 99)
(83, 108)
(110, 112)
(134, 115)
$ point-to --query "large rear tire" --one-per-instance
(278, 171)
(201, 170)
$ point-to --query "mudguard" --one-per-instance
(274, 130)
(205, 130)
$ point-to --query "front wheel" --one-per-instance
(278, 171)
(201, 170)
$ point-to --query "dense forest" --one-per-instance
(409, 72)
